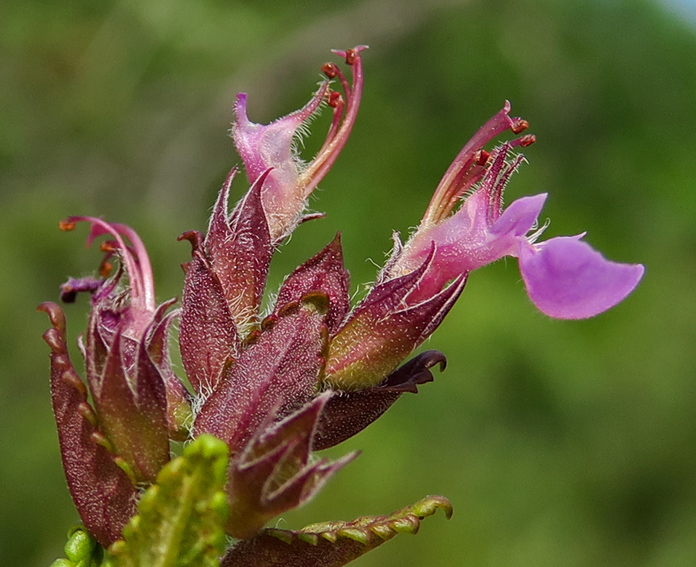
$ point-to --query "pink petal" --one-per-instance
(519, 218)
(567, 279)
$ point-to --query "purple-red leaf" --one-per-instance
(348, 413)
(239, 249)
(384, 329)
(133, 418)
(273, 473)
(103, 494)
(273, 376)
(323, 273)
(207, 334)
(178, 401)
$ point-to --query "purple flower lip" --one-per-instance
(567, 279)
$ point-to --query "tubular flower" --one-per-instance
(268, 388)
(263, 146)
(565, 278)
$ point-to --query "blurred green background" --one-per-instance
(559, 443)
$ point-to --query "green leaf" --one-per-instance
(180, 520)
(331, 544)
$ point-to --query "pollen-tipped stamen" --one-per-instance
(134, 257)
(338, 134)
(337, 102)
(470, 164)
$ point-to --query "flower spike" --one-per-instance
(276, 378)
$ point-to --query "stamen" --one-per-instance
(330, 70)
(499, 187)
(489, 185)
(108, 246)
(345, 85)
(451, 186)
(527, 140)
(337, 103)
(105, 268)
(136, 261)
(351, 54)
(342, 122)
(335, 99)
(483, 158)
(469, 167)
(519, 125)
(67, 225)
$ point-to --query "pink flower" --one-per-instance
(263, 146)
(565, 278)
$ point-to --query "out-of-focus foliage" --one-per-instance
(559, 443)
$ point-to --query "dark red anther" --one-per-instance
(483, 157)
(66, 225)
(351, 55)
(527, 140)
(335, 99)
(108, 246)
(330, 70)
(519, 125)
(105, 269)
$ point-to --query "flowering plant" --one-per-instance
(264, 390)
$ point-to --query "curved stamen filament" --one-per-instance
(342, 122)
(469, 165)
(135, 258)
(338, 104)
